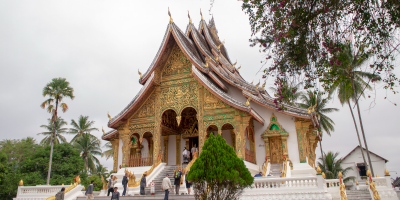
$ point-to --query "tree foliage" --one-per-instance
(59, 130)
(218, 173)
(304, 37)
(333, 166)
(89, 147)
(109, 151)
(81, 127)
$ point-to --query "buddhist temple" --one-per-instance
(193, 89)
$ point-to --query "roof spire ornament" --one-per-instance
(140, 74)
(258, 84)
(217, 57)
(219, 46)
(190, 20)
(239, 68)
(201, 14)
(263, 86)
(103, 130)
(206, 65)
(233, 65)
(170, 17)
(248, 101)
(109, 117)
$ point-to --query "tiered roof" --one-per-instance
(211, 65)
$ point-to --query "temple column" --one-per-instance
(284, 146)
(126, 146)
(240, 124)
(178, 149)
(166, 149)
(151, 145)
(233, 139)
(157, 124)
(311, 157)
(301, 129)
(115, 144)
(220, 132)
(200, 118)
(267, 153)
(187, 144)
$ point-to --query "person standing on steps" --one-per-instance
(194, 150)
(184, 154)
(177, 182)
(152, 188)
(89, 191)
(115, 194)
(111, 183)
(60, 194)
(166, 185)
(143, 185)
(188, 183)
(125, 183)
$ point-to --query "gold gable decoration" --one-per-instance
(274, 128)
(212, 102)
(177, 63)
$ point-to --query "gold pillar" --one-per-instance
(157, 128)
(151, 145)
(200, 118)
(267, 152)
(240, 124)
(115, 146)
(220, 132)
(187, 143)
(233, 139)
(178, 149)
(252, 139)
(301, 129)
(126, 147)
(284, 146)
(166, 149)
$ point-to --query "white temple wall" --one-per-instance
(120, 153)
(226, 134)
(378, 164)
(183, 145)
(145, 149)
(171, 150)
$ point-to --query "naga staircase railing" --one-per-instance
(132, 178)
(78, 181)
(342, 187)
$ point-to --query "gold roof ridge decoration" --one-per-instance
(109, 116)
(170, 17)
(233, 65)
(140, 74)
(103, 130)
(190, 20)
(201, 14)
(219, 46)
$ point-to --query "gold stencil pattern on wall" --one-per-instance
(147, 110)
(179, 97)
(177, 63)
(212, 102)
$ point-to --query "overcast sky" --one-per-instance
(98, 46)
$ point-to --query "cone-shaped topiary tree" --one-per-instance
(218, 173)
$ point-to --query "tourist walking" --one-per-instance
(194, 150)
(184, 154)
(89, 191)
(177, 182)
(111, 183)
(152, 188)
(125, 183)
(143, 185)
(60, 194)
(188, 183)
(115, 194)
(166, 185)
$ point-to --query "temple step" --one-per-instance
(276, 169)
(169, 169)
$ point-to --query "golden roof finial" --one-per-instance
(201, 14)
(219, 46)
(103, 130)
(239, 68)
(109, 117)
(258, 84)
(140, 74)
(190, 20)
(217, 57)
(206, 65)
(233, 65)
(263, 86)
(248, 101)
(252, 82)
(170, 17)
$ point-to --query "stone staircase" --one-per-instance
(158, 180)
(276, 169)
(358, 194)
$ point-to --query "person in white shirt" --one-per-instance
(194, 150)
(184, 154)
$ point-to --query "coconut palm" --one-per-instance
(312, 99)
(109, 152)
(82, 127)
(331, 165)
(56, 90)
(102, 171)
(58, 132)
(349, 84)
(89, 148)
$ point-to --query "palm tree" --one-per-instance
(331, 166)
(59, 130)
(290, 92)
(101, 171)
(109, 152)
(56, 90)
(349, 84)
(89, 147)
(315, 99)
(83, 126)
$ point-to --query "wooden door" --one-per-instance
(275, 147)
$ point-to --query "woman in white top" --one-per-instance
(184, 154)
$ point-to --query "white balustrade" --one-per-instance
(380, 181)
(38, 192)
(277, 183)
(332, 183)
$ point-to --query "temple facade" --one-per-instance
(192, 89)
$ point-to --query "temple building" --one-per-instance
(193, 89)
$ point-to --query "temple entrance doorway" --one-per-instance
(188, 127)
(275, 145)
(193, 142)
